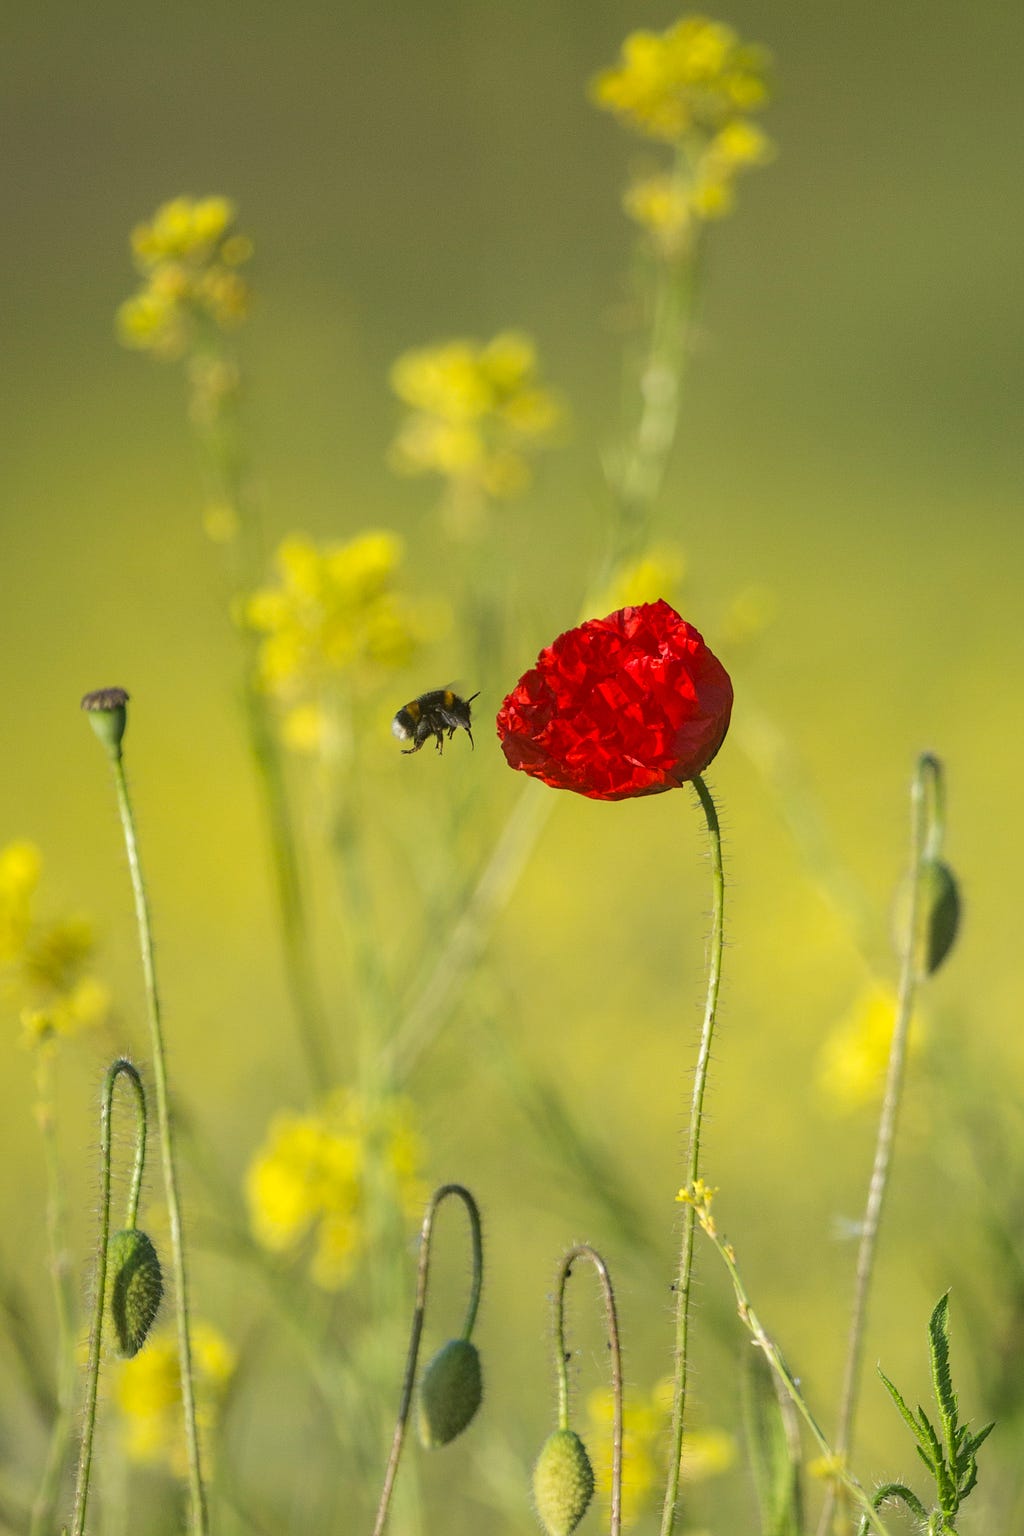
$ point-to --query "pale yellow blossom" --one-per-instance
(308, 1185)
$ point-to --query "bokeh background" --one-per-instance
(850, 442)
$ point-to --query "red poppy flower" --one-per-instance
(628, 705)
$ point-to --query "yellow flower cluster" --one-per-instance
(44, 967)
(148, 1395)
(854, 1057)
(309, 1181)
(333, 614)
(656, 574)
(189, 256)
(476, 413)
(693, 87)
(646, 1424)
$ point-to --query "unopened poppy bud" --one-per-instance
(563, 1482)
(136, 1288)
(938, 914)
(450, 1393)
(108, 716)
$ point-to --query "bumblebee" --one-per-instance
(431, 715)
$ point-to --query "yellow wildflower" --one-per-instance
(476, 412)
(658, 573)
(333, 614)
(663, 205)
(188, 255)
(695, 75)
(44, 967)
(646, 1425)
(148, 1395)
(854, 1057)
(309, 1181)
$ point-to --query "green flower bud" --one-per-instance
(450, 1393)
(563, 1482)
(107, 716)
(938, 914)
(136, 1287)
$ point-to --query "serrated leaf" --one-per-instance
(908, 1417)
(971, 1447)
(938, 1337)
(930, 1437)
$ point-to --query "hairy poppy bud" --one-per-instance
(450, 1393)
(136, 1288)
(563, 1482)
(938, 917)
(633, 704)
(108, 716)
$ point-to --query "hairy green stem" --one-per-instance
(585, 1251)
(923, 833)
(685, 1276)
(119, 1068)
(418, 1317)
(197, 1494)
(926, 830)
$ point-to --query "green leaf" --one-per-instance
(908, 1418)
(938, 1337)
(970, 1449)
(774, 1451)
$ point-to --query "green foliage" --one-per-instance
(950, 1456)
(773, 1447)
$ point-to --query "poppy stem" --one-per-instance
(419, 1314)
(562, 1357)
(119, 1068)
(668, 1513)
(927, 805)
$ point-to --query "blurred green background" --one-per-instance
(850, 440)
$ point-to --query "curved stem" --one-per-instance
(926, 832)
(418, 1317)
(119, 1068)
(683, 1284)
(585, 1251)
(196, 1491)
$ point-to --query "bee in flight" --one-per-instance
(431, 715)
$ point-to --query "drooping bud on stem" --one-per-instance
(563, 1478)
(452, 1386)
(136, 1289)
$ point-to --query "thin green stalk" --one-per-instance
(926, 832)
(118, 1069)
(298, 961)
(200, 1524)
(697, 1200)
(216, 423)
(418, 1318)
(585, 1251)
(63, 1297)
(683, 1284)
